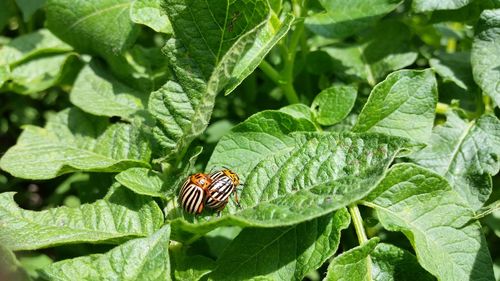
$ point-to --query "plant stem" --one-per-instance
(357, 220)
(272, 73)
(358, 223)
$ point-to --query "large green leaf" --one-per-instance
(216, 45)
(466, 153)
(404, 95)
(485, 56)
(97, 92)
(385, 49)
(122, 215)
(432, 5)
(150, 13)
(390, 263)
(340, 20)
(138, 259)
(448, 242)
(284, 253)
(96, 26)
(73, 141)
(353, 265)
(319, 173)
(255, 139)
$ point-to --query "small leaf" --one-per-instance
(439, 225)
(8, 260)
(191, 268)
(390, 263)
(485, 54)
(38, 74)
(466, 153)
(455, 68)
(333, 104)
(150, 13)
(285, 253)
(299, 110)
(431, 5)
(138, 259)
(97, 26)
(340, 20)
(353, 265)
(385, 49)
(121, 216)
(97, 92)
(404, 95)
(30, 45)
(143, 181)
(73, 141)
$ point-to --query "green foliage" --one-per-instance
(365, 135)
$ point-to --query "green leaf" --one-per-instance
(29, 7)
(318, 174)
(454, 67)
(353, 265)
(143, 181)
(404, 95)
(420, 6)
(216, 45)
(98, 92)
(299, 110)
(341, 20)
(485, 54)
(74, 141)
(333, 104)
(284, 253)
(465, 153)
(119, 217)
(38, 74)
(260, 136)
(138, 259)
(390, 263)
(151, 14)
(438, 223)
(30, 45)
(191, 268)
(97, 26)
(387, 48)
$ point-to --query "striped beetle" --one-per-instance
(223, 184)
(193, 193)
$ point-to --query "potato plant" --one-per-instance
(364, 133)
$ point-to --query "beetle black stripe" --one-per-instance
(191, 198)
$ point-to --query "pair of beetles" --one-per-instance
(210, 190)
